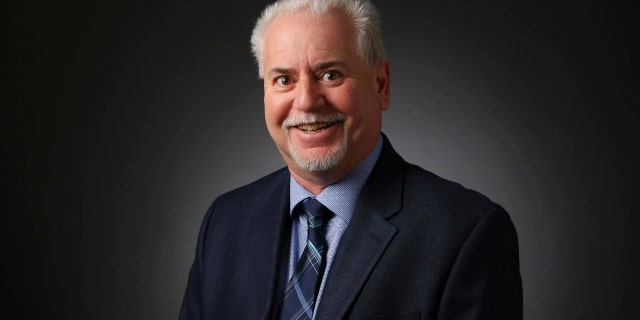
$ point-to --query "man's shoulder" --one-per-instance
(423, 190)
(262, 188)
(427, 189)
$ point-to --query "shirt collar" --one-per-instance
(340, 197)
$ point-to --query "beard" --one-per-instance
(324, 161)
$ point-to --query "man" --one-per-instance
(348, 230)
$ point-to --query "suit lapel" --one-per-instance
(270, 241)
(367, 236)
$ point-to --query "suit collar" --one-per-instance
(367, 236)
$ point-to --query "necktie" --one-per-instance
(301, 291)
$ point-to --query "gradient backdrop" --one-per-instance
(121, 122)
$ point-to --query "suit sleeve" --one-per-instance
(485, 282)
(191, 308)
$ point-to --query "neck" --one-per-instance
(316, 182)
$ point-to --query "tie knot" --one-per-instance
(316, 213)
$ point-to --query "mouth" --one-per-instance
(315, 127)
(313, 123)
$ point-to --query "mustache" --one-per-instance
(307, 118)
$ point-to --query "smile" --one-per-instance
(315, 127)
(312, 123)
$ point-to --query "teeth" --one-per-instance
(314, 126)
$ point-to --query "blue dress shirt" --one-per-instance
(341, 198)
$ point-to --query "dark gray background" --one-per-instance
(122, 121)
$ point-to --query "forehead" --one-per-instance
(302, 34)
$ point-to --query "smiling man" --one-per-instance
(323, 102)
(348, 230)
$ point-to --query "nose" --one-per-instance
(309, 95)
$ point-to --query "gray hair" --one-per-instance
(364, 15)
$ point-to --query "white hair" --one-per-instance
(364, 16)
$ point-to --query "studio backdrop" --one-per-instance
(121, 122)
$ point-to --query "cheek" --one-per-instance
(346, 100)
(273, 110)
(276, 109)
(361, 109)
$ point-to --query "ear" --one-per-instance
(383, 84)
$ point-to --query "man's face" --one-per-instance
(323, 103)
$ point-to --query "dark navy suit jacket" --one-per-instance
(417, 247)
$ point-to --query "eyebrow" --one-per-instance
(330, 64)
(279, 71)
(319, 66)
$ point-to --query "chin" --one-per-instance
(323, 162)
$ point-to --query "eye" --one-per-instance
(331, 75)
(283, 81)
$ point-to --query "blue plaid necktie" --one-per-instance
(301, 291)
